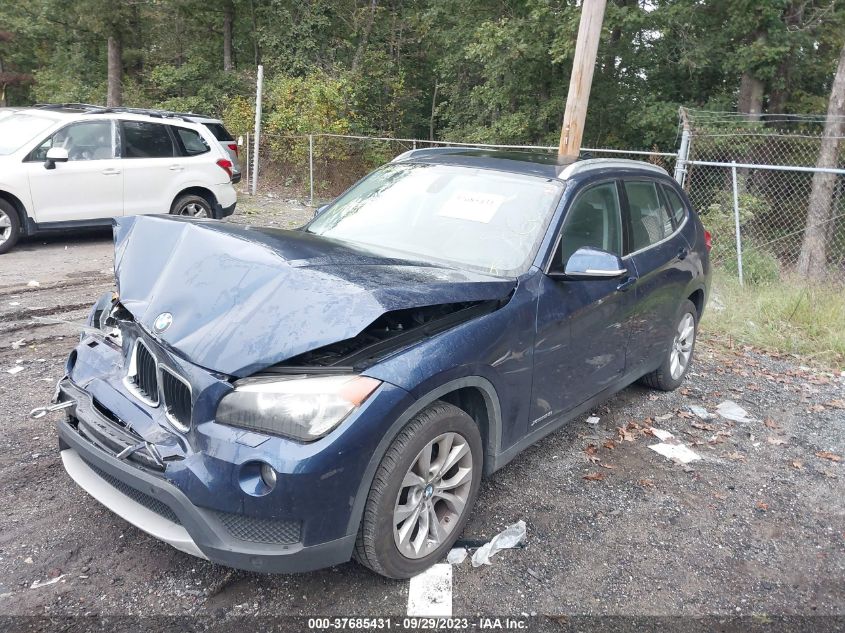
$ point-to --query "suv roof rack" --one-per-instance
(90, 108)
(84, 107)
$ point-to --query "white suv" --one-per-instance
(75, 165)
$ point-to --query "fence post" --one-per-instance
(311, 170)
(246, 166)
(683, 150)
(258, 90)
(736, 223)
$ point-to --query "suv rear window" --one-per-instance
(219, 132)
(192, 143)
(146, 140)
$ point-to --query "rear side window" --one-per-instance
(676, 205)
(191, 141)
(219, 132)
(650, 222)
(146, 140)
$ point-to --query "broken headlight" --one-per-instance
(303, 408)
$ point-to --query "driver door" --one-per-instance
(582, 325)
(88, 186)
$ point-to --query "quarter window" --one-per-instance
(650, 222)
(679, 211)
(192, 142)
(91, 140)
(593, 220)
(146, 140)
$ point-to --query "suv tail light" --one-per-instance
(225, 165)
(708, 240)
(234, 148)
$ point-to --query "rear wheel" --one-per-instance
(191, 206)
(10, 227)
(671, 373)
(422, 493)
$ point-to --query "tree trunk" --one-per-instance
(365, 37)
(433, 110)
(750, 96)
(115, 72)
(228, 19)
(812, 262)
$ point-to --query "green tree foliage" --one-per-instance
(478, 70)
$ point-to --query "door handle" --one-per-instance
(627, 284)
(111, 171)
(682, 253)
(176, 168)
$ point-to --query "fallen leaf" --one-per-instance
(830, 475)
(608, 466)
(646, 483)
(720, 495)
(817, 408)
(836, 404)
(702, 426)
(594, 477)
(762, 506)
(737, 456)
(797, 465)
(776, 441)
(624, 434)
(770, 423)
(609, 445)
(828, 455)
(591, 451)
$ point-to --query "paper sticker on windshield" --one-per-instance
(477, 207)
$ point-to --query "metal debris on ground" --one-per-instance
(671, 448)
(730, 410)
(506, 539)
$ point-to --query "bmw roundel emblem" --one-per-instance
(162, 322)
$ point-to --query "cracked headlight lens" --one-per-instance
(303, 408)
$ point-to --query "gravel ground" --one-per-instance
(757, 525)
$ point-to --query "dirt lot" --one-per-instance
(757, 525)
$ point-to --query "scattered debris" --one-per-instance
(671, 448)
(15, 370)
(597, 476)
(836, 404)
(762, 506)
(771, 424)
(776, 441)
(456, 555)
(797, 465)
(593, 420)
(506, 539)
(730, 410)
(700, 412)
(828, 455)
(36, 584)
(646, 483)
(19, 343)
(32, 284)
(609, 445)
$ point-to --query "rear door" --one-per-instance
(89, 186)
(659, 252)
(582, 325)
(151, 166)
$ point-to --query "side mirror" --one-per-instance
(320, 210)
(55, 155)
(592, 263)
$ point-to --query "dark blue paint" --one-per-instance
(244, 298)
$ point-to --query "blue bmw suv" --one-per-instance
(282, 401)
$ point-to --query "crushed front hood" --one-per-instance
(245, 298)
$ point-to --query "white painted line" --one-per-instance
(430, 593)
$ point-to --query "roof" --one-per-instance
(543, 164)
(88, 108)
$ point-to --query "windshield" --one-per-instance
(18, 129)
(481, 219)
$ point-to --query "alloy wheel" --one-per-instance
(682, 346)
(433, 495)
(194, 210)
(5, 226)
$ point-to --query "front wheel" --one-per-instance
(192, 207)
(10, 228)
(678, 359)
(422, 493)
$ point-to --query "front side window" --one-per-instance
(650, 221)
(594, 220)
(88, 140)
(146, 140)
(463, 217)
(191, 141)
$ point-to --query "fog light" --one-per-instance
(268, 476)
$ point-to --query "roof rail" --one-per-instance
(589, 164)
(69, 106)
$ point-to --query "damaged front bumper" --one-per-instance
(187, 489)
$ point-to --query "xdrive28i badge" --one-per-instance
(162, 322)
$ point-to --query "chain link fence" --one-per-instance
(751, 179)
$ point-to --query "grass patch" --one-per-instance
(787, 316)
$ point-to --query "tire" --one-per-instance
(662, 378)
(377, 545)
(191, 206)
(10, 227)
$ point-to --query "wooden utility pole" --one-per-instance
(589, 31)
